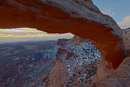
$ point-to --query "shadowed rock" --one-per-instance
(80, 17)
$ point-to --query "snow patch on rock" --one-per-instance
(81, 61)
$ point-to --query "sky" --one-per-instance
(28, 34)
(119, 10)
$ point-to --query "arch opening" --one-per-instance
(80, 57)
(29, 34)
(53, 16)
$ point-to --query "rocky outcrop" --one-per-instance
(121, 76)
(126, 35)
(118, 78)
(80, 17)
(62, 42)
(57, 75)
(76, 63)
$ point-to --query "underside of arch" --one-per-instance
(80, 17)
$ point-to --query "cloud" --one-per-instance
(30, 33)
(125, 23)
(36, 35)
(108, 11)
(20, 30)
(27, 35)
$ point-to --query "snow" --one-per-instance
(84, 54)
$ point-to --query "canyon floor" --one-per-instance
(37, 64)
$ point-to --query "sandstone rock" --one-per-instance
(76, 63)
(119, 78)
(80, 17)
(57, 75)
(62, 42)
(126, 38)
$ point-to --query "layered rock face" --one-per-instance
(76, 63)
(118, 78)
(121, 76)
(80, 17)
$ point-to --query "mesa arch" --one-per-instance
(80, 17)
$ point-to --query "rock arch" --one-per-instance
(80, 17)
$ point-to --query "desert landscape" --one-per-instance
(97, 56)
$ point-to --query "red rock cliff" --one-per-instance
(76, 63)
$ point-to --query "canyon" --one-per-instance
(83, 19)
(76, 63)
(67, 62)
(24, 64)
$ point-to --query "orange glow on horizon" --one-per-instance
(29, 33)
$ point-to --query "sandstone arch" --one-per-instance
(80, 17)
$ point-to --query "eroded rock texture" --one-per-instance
(118, 78)
(76, 63)
(80, 17)
(126, 35)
